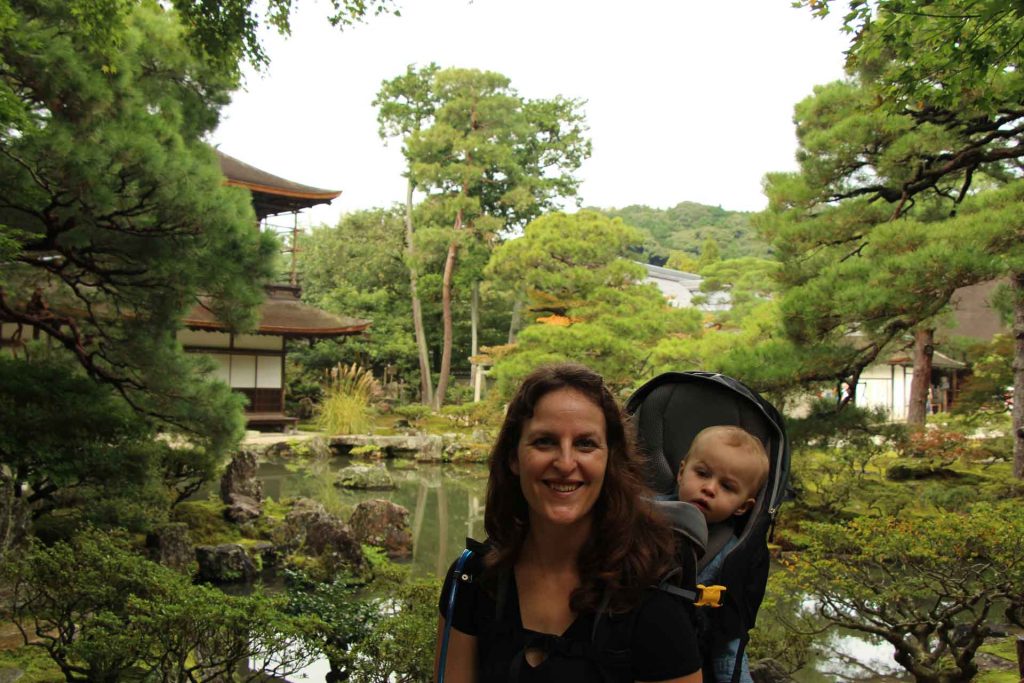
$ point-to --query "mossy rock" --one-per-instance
(466, 453)
(401, 464)
(370, 477)
(368, 452)
(909, 470)
(206, 522)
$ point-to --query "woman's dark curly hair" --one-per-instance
(630, 547)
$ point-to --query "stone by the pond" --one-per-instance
(225, 563)
(316, 447)
(308, 526)
(240, 477)
(373, 476)
(242, 509)
(419, 446)
(383, 524)
(171, 545)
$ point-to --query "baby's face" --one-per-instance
(719, 479)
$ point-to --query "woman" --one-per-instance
(562, 590)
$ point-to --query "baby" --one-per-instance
(722, 474)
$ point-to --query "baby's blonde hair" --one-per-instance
(735, 437)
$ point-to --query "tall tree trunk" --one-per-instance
(446, 284)
(426, 380)
(474, 325)
(924, 349)
(517, 320)
(446, 314)
(1017, 280)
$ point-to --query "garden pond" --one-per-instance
(446, 504)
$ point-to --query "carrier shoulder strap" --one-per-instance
(718, 536)
(737, 667)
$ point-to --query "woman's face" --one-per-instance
(561, 459)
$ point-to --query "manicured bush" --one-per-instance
(932, 586)
(102, 612)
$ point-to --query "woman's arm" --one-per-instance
(460, 666)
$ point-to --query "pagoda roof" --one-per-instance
(282, 313)
(272, 194)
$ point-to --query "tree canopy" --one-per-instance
(586, 298)
(686, 226)
(113, 213)
(488, 160)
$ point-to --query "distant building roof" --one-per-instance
(283, 314)
(939, 360)
(679, 287)
(670, 274)
(272, 194)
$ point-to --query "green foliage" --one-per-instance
(415, 414)
(84, 455)
(929, 586)
(571, 266)
(35, 665)
(113, 210)
(206, 522)
(852, 263)
(747, 282)
(103, 612)
(356, 269)
(344, 616)
(379, 632)
(826, 426)
(984, 392)
(371, 451)
(346, 405)
(488, 160)
(783, 633)
(228, 31)
(688, 225)
(945, 53)
(401, 645)
(470, 414)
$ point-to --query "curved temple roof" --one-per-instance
(283, 314)
(272, 194)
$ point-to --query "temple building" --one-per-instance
(254, 364)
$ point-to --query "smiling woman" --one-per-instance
(562, 591)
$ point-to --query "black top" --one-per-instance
(654, 642)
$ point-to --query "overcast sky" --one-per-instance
(686, 99)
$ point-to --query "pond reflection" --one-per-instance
(445, 502)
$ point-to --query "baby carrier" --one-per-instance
(668, 412)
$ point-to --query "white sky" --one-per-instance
(686, 99)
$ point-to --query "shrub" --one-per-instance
(346, 405)
(947, 445)
(931, 586)
(414, 413)
(104, 613)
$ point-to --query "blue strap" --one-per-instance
(450, 611)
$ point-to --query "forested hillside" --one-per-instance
(687, 226)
